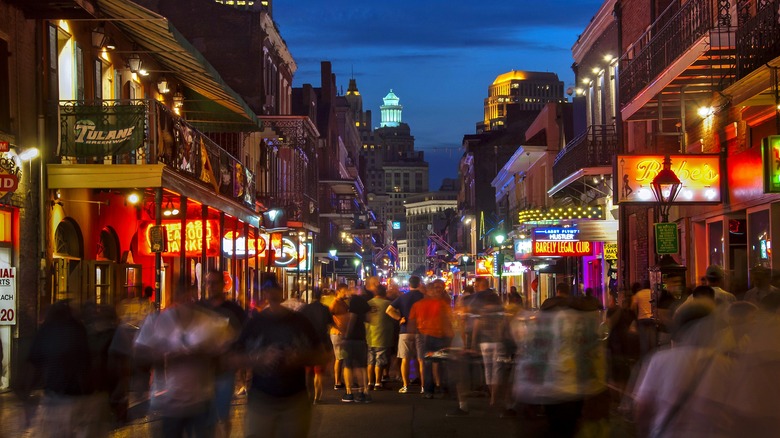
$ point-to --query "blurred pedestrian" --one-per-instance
(407, 345)
(321, 320)
(642, 305)
(183, 343)
(680, 391)
(561, 364)
(431, 319)
(762, 286)
(339, 310)
(224, 385)
(355, 349)
(61, 354)
(379, 336)
(278, 344)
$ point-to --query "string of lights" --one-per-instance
(559, 214)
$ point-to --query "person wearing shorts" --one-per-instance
(379, 336)
(355, 349)
(407, 347)
(340, 312)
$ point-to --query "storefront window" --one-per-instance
(760, 245)
(715, 235)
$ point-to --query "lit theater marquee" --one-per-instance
(699, 175)
(560, 242)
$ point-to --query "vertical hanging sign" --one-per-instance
(7, 296)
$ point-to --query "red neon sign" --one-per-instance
(556, 248)
(193, 244)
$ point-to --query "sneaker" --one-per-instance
(403, 390)
(361, 398)
(458, 412)
(422, 391)
(338, 386)
(366, 398)
(348, 398)
(378, 387)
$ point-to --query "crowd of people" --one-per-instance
(680, 364)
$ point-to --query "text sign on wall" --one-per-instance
(666, 239)
(556, 234)
(562, 248)
(193, 244)
(610, 251)
(770, 153)
(7, 296)
(699, 175)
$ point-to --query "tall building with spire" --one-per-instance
(391, 111)
(390, 167)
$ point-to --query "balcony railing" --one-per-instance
(758, 36)
(593, 148)
(673, 33)
(297, 206)
(107, 132)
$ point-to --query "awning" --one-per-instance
(588, 171)
(154, 33)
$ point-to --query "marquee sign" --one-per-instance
(562, 248)
(699, 174)
(556, 234)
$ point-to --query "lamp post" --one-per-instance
(666, 186)
(499, 238)
(356, 262)
(333, 257)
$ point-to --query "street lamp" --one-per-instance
(332, 253)
(356, 262)
(666, 186)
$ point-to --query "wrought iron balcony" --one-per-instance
(758, 35)
(593, 148)
(296, 206)
(675, 31)
(143, 131)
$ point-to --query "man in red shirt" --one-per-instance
(431, 318)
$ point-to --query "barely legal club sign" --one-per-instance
(699, 175)
(560, 242)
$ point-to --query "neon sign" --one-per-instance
(244, 247)
(193, 243)
(556, 234)
(562, 248)
(699, 175)
(770, 152)
(484, 266)
(287, 256)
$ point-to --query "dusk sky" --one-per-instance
(438, 56)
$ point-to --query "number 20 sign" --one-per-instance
(7, 296)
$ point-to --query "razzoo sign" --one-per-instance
(699, 175)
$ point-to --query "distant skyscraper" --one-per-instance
(526, 90)
(391, 111)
